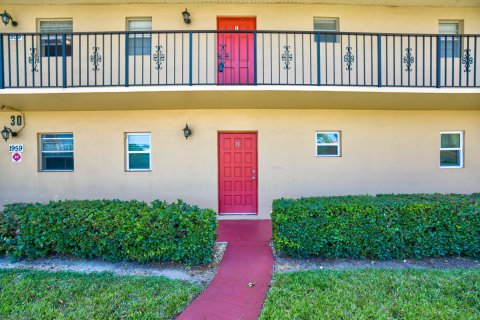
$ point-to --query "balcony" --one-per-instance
(271, 58)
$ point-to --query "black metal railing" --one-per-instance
(33, 60)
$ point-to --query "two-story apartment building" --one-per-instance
(281, 99)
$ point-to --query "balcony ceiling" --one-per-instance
(240, 97)
(390, 3)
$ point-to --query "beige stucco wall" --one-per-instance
(269, 17)
(382, 152)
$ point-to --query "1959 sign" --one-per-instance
(15, 147)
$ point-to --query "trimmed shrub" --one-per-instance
(380, 227)
(109, 229)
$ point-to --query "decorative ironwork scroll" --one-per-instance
(223, 57)
(34, 59)
(287, 58)
(96, 58)
(467, 60)
(408, 59)
(158, 57)
(349, 58)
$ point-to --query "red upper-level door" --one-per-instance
(237, 173)
(235, 50)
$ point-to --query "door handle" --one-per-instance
(253, 178)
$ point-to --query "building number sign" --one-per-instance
(16, 121)
(15, 148)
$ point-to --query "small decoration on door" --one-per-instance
(251, 284)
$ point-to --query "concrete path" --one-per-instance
(248, 260)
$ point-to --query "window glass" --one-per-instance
(328, 144)
(51, 41)
(450, 158)
(451, 149)
(326, 25)
(450, 45)
(451, 140)
(138, 151)
(56, 152)
(139, 43)
(327, 150)
(330, 137)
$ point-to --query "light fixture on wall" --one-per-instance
(6, 17)
(187, 132)
(186, 16)
(6, 132)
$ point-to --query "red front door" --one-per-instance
(237, 166)
(235, 54)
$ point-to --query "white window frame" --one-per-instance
(144, 36)
(127, 152)
(461, 149)
(337, 20)
(456, 54)
(338, 144)
(41, 139)
(44, 37)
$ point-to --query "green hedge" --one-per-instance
(381, 227)
(110, 229)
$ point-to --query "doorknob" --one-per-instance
(253, 178)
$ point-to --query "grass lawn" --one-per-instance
(64, 295)
(374, 294)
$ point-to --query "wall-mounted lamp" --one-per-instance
(186, 16)
(6, 133)
(6, 17)
(187, 132)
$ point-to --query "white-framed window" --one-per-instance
(451, 149)
(328, 143)
(138, 151)
(51, 41)
(139, 43)
(326, 25)
(450, 43)
(56, 152)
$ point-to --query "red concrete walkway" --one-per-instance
(248, 258)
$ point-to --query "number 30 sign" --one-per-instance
(16, 121)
